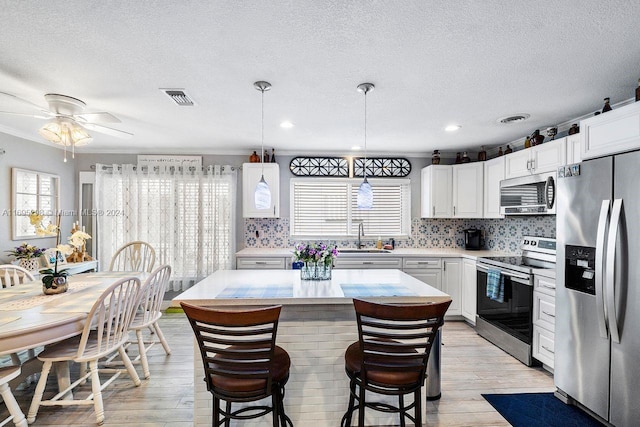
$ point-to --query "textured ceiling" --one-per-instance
(433, 64)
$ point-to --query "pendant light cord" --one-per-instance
(262, 132)
(365, 137)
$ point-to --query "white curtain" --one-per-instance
(188, 216)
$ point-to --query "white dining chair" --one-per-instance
(7, 374)
(12, 275)
(134, 256)
(106, 330)
(147, 316)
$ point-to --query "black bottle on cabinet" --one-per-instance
(607, 106)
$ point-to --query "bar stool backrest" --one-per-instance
(397, 338)
(236, 346)
(11, 275)
(134, 256)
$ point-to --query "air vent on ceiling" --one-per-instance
(514, 119)
(179, 97)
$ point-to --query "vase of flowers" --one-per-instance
(317, 259)
(28, 256)
(54, 281)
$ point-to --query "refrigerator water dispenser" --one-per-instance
(580, 269)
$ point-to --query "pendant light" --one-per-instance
(262, 194)
(365, 193)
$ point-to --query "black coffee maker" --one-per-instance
(472, 239)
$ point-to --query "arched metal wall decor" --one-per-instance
(320, 166)
(382, 167)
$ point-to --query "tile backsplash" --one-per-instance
(499, 234)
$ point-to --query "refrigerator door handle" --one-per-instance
(550, 196)
(610, 272)
(603, 220)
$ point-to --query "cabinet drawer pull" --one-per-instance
(367, 262)
(547, 286)
(548, 314)
(548, 349)
(427, 262)
(261, 262)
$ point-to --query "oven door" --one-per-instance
(514, 315)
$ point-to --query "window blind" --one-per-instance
(323, 208)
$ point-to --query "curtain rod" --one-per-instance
(171, 168)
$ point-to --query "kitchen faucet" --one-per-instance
(360, 234)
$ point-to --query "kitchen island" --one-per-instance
(316, 326)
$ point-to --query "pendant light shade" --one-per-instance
(365, 195)
(365, 192)
(262, 193)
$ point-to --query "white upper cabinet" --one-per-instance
(468, 190)
(574, 154)
(541, 158)
(436, 191)
(251, 174)
(493, 174)
(613, 132)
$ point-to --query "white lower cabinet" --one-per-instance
(428, 270)
(452, 284)
(469, 290)
(544, 320)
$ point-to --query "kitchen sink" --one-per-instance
(364, 251)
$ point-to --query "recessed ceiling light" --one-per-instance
(516, 118)
(356, 148)
(452, 128)
(286, 124)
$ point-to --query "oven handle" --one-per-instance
(525, 280)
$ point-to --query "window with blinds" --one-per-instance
(327, 208)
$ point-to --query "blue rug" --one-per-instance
(539, 410)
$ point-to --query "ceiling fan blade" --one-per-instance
(37, 116)
(107, 130)
(38, 107)
(101, 117)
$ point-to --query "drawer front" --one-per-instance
(543, 346)
(367, 263)
(421, 263)
(544, 311)
(545, 285)
(260, 263)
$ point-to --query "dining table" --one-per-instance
(31, 319)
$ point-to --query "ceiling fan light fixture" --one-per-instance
(52, 131)
(79, 136)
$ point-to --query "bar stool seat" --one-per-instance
(390, 357)
(410, 373)
(279, 370)
(242, 363)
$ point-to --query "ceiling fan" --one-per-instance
(66, 111)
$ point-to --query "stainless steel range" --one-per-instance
(506, 321)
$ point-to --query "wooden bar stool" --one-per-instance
(390, 356)
(242, 362)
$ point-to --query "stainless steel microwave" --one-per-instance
(529, 195)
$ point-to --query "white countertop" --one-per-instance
(260, 287)
(403, 252)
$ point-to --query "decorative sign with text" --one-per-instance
(151, 160)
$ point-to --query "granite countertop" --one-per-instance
(401, 252)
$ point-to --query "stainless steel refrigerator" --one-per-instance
(597, 335)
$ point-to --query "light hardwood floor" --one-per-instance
(470, 366)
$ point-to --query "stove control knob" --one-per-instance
(533, 243)
(526, 242)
